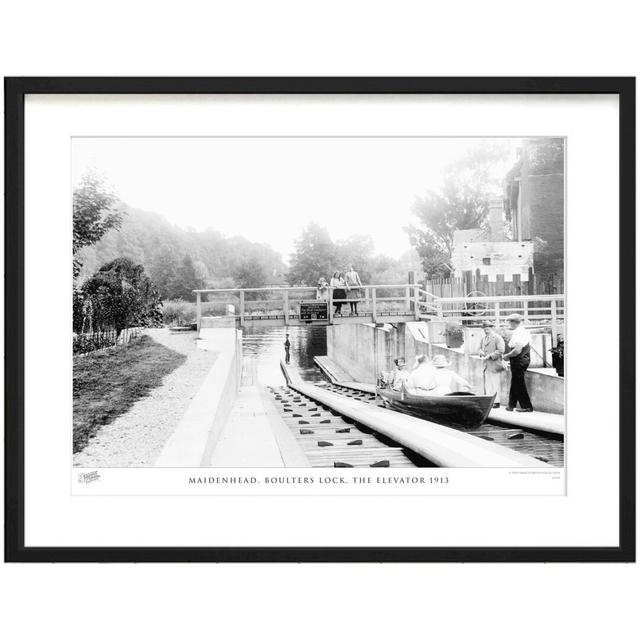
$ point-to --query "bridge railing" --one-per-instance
(536, 310)
(374, 301)
(408, 301)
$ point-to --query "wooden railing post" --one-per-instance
(242, 308)
(285, 302)
(525, 311)
(198, 309)
(373, 305)
(554, 325)
(416, 302)
(408, 300)
(496, 311)
(376, 370)
(330, 305)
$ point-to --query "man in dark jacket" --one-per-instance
(519, 360)
(287, 350)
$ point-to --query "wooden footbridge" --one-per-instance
(382, 303)
(301, 306)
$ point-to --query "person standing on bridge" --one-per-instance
(354, 286)
(322, 290)
(519, 360)
(287, 350)
(339, 286)
(491, 350)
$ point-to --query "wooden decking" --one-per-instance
(442, 446)
(339, 376)
(326, 439)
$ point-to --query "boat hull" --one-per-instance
(451, 410)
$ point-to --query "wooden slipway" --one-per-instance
(535, 421)
(443, 446)
(339, 376)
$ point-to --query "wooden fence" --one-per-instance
(539, 310)
(84, 343)
(459, 287)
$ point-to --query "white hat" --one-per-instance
(515, 317)
(440, 362)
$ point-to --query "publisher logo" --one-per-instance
(90, 476)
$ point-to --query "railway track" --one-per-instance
(330, 440)
(546, 447)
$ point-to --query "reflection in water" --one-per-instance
(266, 346)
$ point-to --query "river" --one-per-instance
(266, 346)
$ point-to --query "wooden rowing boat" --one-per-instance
(455, 409)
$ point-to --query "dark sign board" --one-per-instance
(314, 311)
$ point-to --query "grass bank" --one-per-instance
(107, 384)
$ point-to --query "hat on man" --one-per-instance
(515, 317)
(440, 362)
(400, 361)
(487, 323)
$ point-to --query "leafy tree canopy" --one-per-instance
(118, 296)
(461, 203)
(317, 255)
(185, 280)
(314, 256)
(250, 273)
(93, 214)
(148, 239)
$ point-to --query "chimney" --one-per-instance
(496, 226)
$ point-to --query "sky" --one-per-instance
(269, 189)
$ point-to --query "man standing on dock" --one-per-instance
(519, 360)
(491, 350)
(287, 350)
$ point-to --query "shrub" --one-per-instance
(178, 312)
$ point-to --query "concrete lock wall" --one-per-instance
(351, 347)
(192, 442)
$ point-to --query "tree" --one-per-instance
(315, 256)
(356, 251)
(93, 214)
(164, 270)
(185, 281)
(440, 214)
(250, 274)
(461, 203)
(120, 295)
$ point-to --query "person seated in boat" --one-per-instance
(447, 381)
(422, 380)
(400, 375)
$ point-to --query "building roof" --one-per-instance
(463, 236)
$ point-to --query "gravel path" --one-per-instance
(136, 438)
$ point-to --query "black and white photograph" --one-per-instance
(320, 320)
(369, 319)
(318, 301)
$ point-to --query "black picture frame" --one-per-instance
(15, 91)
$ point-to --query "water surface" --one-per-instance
(265, 345)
